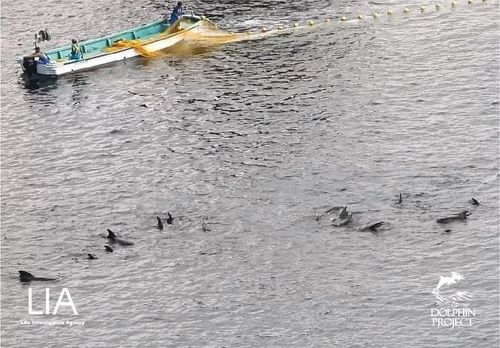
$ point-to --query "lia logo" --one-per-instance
(64, 294)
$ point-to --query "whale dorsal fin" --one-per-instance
(111, 234)
(170, 219)
(373, 227)
(26, 276)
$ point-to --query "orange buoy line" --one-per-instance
(426, 7)
(211, 35)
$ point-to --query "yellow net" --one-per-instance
(211, 35)
(206, 35)
(135, 44)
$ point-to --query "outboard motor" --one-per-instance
(29, 65)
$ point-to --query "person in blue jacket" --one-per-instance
(176, 13)
(42, 57)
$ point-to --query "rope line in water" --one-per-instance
(390, 13)
(209, 34)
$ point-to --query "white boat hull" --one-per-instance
(153, 45)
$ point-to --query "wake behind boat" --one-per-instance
(144, 40)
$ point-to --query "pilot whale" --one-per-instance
(343, 218)
(372, 227)
(460, 216)
(474, 201)
(114, 239)
(170, 219)
(319, 215)
(28, 277)
(160, 224)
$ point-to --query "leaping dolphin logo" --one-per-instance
(458, 296)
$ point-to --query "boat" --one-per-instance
(145, 40)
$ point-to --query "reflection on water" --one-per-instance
(259, 137)
(44, 89)
(78, 84)
(197, 42)
(34, 83)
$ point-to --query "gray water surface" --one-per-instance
(257, 137)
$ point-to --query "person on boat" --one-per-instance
(177, 12)
(42, 57)
(75, 53)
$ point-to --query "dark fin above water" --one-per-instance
(111, 234)
(400, 199)
(91, 257)
(372, 227)
(114, 239)
(474, 201)
(170, 219)
(376, 225)
(27, 277)
(446, 220)
(160, 224)
(460, 216)
(108, 249)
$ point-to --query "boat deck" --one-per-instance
(92, 48)
(145, 41)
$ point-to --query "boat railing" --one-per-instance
(97, 45)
